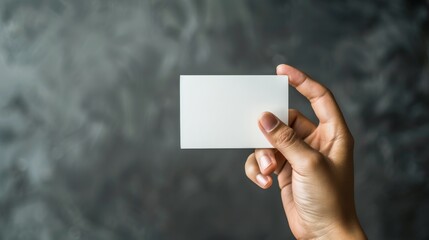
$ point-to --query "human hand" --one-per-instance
(314, 164)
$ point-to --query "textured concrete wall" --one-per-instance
(89, 138)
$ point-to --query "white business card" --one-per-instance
(222, 111)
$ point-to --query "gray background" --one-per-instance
(89, 130)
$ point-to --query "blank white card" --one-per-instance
(222, 111)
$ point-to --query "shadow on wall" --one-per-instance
(89, 113)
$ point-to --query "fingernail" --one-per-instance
(262, 180)
(265, 162)
(268, 121)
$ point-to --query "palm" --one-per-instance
(297, 190)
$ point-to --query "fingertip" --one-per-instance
(264, 181)
(266, 160)
(251, 166)
(295, 75)
(268, 121)
(280, 66)
(269, 170)
(282, 69)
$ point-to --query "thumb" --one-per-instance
(302, 157)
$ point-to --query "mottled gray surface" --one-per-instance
(89, 138)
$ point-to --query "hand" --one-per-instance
(314, 164)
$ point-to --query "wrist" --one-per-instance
(346, 230)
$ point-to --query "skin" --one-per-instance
(313, 164)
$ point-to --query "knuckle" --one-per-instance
(249, 161)
(326, 92)
(293, 111)
(251, 171)
(293, 114)
(329, 92)
(312, 161)
(285, 137)
(249, 167)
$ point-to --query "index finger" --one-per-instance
(322, 101)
